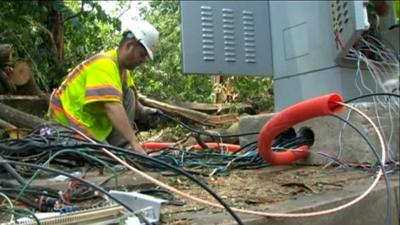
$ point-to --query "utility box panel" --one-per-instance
(226, 37)
(350, 20)
(305, 49)
(302, 37)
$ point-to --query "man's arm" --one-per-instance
(117, 115)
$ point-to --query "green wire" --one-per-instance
(10, 204)
(52, 157)
(20, 211)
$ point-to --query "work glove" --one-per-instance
(151, 111)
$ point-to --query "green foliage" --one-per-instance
(256, 91)
(28, 27)
(88, 33)
(88, 30)
(19, 28)
(162, 78)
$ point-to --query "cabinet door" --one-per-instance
(226, 37)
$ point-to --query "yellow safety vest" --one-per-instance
(396, 5)
(95, 80)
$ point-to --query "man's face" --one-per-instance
(136, 55)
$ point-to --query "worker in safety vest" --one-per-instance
(98, 96)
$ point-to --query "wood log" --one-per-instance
(22, 73)
(19, 118)
(34, 105)
(22, 77)
(199, 117)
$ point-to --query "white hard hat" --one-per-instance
(146, 34)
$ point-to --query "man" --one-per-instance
(98, 96)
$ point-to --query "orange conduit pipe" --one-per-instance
(211, 145)
(218, 146)
(315, 107)
(157, 145)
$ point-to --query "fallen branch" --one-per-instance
(6, 125)
(215, 108)
(19, 118)
(202, 118)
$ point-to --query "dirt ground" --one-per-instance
(256, 189)
(259, 189)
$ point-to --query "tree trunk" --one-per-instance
(5, 55)
(53, 19)
(6, 86)
(217, 84)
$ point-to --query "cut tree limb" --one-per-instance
(22, 73)
(22, 77)
(19, 118)
(199, 117)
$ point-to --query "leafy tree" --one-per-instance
(55, 35)
(163, 79)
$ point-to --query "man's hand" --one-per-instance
(137, 148)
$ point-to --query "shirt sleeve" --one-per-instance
(103, 83)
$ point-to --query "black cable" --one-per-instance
(78, 144)
(161, 193)
(205, 133)
(247, 145)
(387, 182)
(56, 171)
(371, 95)
(94, 186)
(176, 169)
(13, 173)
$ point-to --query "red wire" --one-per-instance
(339, 40)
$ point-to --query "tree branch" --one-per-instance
(77, 14)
